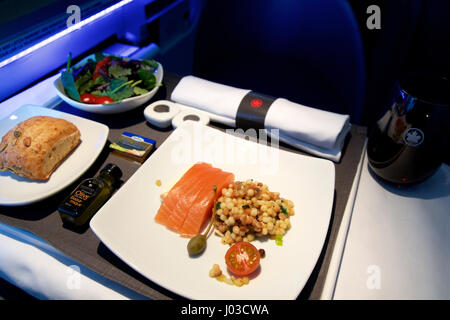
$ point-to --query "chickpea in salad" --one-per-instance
(247, 210)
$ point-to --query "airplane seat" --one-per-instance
(308, 51)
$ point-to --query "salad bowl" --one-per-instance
(120, 106)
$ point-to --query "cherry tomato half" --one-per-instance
(99, 65)
(242, 258)
(88, 98)
(103, 100)
(91, 99)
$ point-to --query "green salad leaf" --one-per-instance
(151, 63)
(87, 86)
(139, 91)
(99, 56)
(69, 61)
(68, 81)
(100, 80)
(119, 90)
(117, 71)
(115, 84)
(147, 77)
(84, 83)
(70, 86)
(122, 93)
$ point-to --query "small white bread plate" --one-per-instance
(17, 190)
(125, 224)
(122, 106)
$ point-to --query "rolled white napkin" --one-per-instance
(318, 132)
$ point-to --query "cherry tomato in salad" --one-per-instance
(103, 100)
(99, 65)
(91, 99)
(88, 98)
(242, 258)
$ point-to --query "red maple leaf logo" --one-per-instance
(256, 103)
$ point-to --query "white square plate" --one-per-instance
(16, 190)
(125, 224)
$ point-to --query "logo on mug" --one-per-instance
(413, 137)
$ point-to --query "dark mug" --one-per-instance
(409, 143)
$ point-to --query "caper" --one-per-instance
(197, 244)
(262, 253)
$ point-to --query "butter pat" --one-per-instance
(133, 146)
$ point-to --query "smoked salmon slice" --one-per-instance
(201, 208)
(188, 204)
(169, 203)
(190, 193)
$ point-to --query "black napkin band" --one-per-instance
(252, 111)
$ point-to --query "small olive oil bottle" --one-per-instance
(79, 207)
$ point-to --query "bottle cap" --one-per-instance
(113, 170)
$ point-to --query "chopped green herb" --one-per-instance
(284, 210)
(218, 205)
(245, 206)
(279, 240)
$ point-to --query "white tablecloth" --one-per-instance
(33, 265)
(398, 242)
